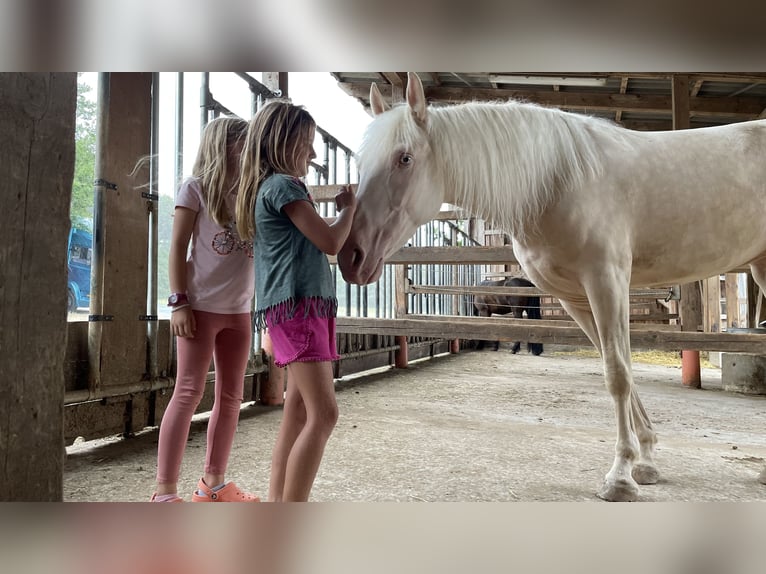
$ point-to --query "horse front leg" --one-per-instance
(644, 471)
(606, 324)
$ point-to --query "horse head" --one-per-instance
(399, 189)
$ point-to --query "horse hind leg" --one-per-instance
(758, 271)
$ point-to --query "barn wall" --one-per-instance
(37, 121)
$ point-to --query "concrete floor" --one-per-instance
(478, 426)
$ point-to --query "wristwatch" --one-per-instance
(177, 299)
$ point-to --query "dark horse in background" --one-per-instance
(486, 305)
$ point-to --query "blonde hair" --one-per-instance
(212, 164)
(273, 144)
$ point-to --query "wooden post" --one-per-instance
(37, 125)
(691, 297)
(733, 319)
(401, 359)
(119, 277)
(276, 81)
(712, 305)
(454, 343)
(753, 292)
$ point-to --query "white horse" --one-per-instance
(593, 209)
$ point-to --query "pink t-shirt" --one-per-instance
(219, 268)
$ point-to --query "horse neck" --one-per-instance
(507, 162)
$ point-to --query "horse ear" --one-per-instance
(377, 103)
(416, 97)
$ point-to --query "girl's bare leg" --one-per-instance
(314, 383)
(293, 421)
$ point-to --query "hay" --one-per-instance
(662, 358)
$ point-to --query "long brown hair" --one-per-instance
(212, 163)
(274, 140)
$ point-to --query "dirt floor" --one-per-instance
(478, 426)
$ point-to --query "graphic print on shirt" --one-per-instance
(226, 241)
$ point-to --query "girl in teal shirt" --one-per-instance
(295, 292)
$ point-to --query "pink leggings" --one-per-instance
(227, 338)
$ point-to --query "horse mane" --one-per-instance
(504, 161)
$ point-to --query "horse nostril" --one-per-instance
(356, 257)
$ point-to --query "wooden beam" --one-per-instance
(696, 88)
(623, 90)
(733, 318)
(712, 304)
(397, 86)
(37, 144)
(681, 105)
(468, 255)
(277, 81)
(725, 106)
(501, 329)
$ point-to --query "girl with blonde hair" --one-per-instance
(211, 299)
(295, 290)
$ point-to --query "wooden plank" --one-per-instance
(495, 328)
(37, 147)
(528, 291)
(741, 107)
(467, 255)
(733, 319)
(712, 305)
(123, 345)
(454, 255)
(681, 102)
(277, 82)
(400, 290)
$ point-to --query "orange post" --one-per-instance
(690, 369)
(454, 346)
(401, 358)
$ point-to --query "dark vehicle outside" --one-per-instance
(78, 264)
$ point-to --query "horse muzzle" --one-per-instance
(356, 267)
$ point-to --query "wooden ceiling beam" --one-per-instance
(623, 90)
(397, 86)
(696, 88)
(746, 107)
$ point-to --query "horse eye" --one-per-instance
(406, 159)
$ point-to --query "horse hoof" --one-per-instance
(644, 473)
(762, 478)
(619, 491)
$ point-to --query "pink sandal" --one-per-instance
(229, 493)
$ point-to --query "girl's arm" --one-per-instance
(182, 320)
(328, 237)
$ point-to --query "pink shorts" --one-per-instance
(309, 339)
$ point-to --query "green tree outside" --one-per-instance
(81, 209)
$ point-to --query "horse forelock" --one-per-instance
(392, 130)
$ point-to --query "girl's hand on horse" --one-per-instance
(345, 199)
